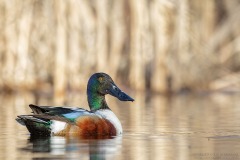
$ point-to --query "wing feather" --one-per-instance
(63, 114)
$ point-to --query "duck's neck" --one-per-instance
(96, 101)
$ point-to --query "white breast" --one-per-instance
(57, 126)
(109, 115)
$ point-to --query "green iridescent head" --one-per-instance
(98, 86)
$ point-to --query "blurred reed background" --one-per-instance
(158, 45)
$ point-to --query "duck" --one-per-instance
(98, 122)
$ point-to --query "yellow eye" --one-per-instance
(100, 79)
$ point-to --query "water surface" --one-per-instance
(185, 127)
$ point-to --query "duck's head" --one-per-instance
(98, 86)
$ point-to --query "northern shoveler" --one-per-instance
(100, 121)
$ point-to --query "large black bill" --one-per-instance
(116, 92)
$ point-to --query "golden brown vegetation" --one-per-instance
(159, 45)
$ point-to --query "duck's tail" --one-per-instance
(36, 126)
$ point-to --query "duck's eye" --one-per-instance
(100, 79)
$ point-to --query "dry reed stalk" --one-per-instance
(227, 81)
(87, 42)
(146, 44)
(229, 51)
(75, 50)
(60, 53)
(102, 36)
(41, 41)
(183, 29)
(23, 69)
(118, 34)
(223, 31)
(160, 19)
(2, 43)
(182, 43)
(10, 43)
(209, 18)
(229, 5)
(88, 38)
(137, 71)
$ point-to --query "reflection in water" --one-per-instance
(184, 127)
(39, 144)
(57, 147)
